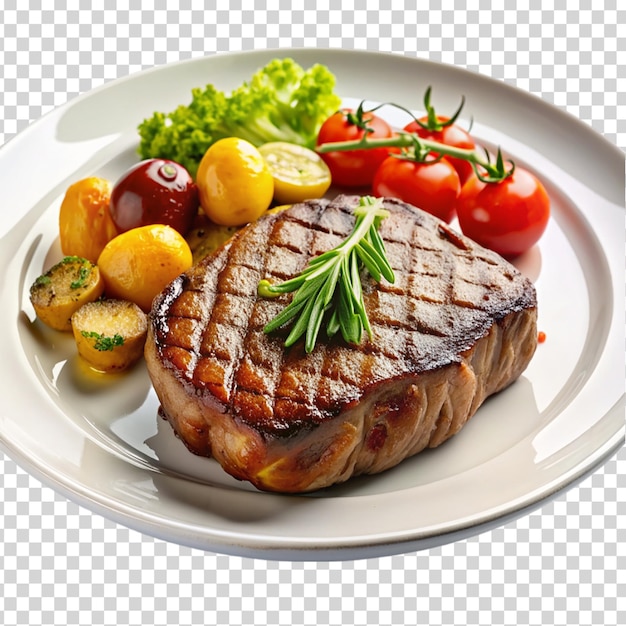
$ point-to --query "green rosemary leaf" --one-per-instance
(346, 317)
(317, 314)
(367, 259)
(333, 326)
(285, 316)
(309, 288)
(358, 296)
(298, 302)
(379, 246)
(351, 326)
(353, 271)
(299, 328)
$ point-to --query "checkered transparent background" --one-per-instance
(61, 564)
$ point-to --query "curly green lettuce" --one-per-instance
(281, 102)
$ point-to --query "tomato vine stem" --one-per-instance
(486, 170)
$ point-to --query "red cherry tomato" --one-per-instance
(433, 187)
(508, 217)
(353, 168)
(155, 191)
(451, 135)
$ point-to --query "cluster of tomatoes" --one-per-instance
(508, 215)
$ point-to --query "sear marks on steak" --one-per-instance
(458, 325)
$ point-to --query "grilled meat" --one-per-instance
(458, 325)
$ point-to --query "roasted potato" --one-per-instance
(138, 264)
(85, 222)
(63, 289)
(110, 334)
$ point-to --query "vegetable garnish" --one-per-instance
(330, 287)
(486, 170)
(281, 102)
(83, 275)
(354, 168)
(104, 343)
(445, 130)
(433, 122)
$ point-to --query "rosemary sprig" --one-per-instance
(329, 289)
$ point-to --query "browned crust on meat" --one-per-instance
(458, 325)
(390, 423)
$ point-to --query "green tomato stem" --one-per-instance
(495, 173)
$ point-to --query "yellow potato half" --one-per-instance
(110, 334)
(63, 289)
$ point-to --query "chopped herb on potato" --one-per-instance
(102, 342)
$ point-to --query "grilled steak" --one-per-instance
(458, 325)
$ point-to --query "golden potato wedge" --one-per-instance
(63, 289)
(110, 334)
(85, 222)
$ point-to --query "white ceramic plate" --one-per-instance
(100, 442)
